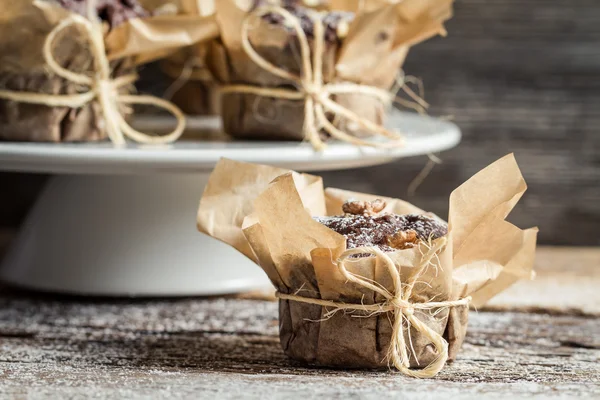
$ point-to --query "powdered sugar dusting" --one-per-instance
(364, 230)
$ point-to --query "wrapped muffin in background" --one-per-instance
(192, 85)
(371, 282)
(38, 102)
(360, 46)
(23, 68)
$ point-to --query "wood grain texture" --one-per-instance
(229, 348)
(205, 348)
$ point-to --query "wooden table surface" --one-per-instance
(539, 339)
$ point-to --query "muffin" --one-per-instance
(250, 116)
(364, 226)
(364, 48)
(23, 69)
(371, 283)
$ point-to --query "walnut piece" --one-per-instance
(367, 208)
(403, 239)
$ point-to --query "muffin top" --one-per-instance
(364, 225)
(114, 12)
(336, 23)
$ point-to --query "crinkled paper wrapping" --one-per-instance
(371, 54)
(197, 91)
(266, 213)
(24, 26)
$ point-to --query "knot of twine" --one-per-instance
(102, 87)
(311, 88)
(397, 302)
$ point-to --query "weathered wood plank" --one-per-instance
(80, 348)
(229, 348)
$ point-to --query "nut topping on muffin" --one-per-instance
(364, 224)
(403, 239)
(367, 208)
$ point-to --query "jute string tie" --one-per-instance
(311, 88)
(397, 302)
(102, 87)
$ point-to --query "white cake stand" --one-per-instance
(122, 221)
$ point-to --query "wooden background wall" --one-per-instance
(518, 76)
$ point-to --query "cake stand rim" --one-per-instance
(424, 135)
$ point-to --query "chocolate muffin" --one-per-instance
(335, 22)
(114, 12)
(364, 225)
(25, 71)
(249, 116)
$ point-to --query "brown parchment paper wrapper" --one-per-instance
(266, 213)
(197, 91)
(371, 54)
(24, 26)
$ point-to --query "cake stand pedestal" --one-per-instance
(121, 222)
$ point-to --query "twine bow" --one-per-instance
(311, 87)
(102, 87)
(397, 302)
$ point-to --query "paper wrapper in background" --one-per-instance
(24, 26)
(371, 54)
(197, 91)
(266, 213)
